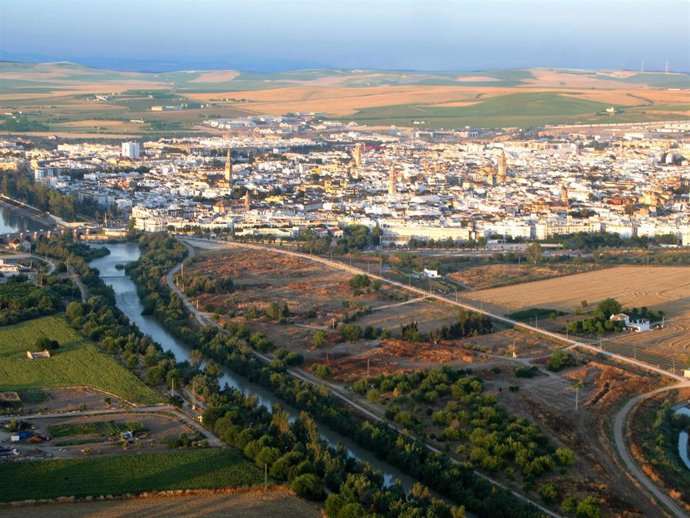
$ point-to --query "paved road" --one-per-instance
(619, 432)
(335, 390)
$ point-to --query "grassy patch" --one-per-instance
(512, 110)
(195, 469)
(76, 362)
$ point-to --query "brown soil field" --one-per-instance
(219, 505)
(549, 400)
(67, 400)
(429, 315)
(343, 101)
(349, 361)
(665, 288)
(489, 276)
(160, 426)
(315, 294)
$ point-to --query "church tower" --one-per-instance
(502, 168)
(228, 171)
(392, 181)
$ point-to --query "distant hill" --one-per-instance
(68, 97)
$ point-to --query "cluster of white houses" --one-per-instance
(445, 186)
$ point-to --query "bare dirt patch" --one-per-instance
(494, 275)
(221, 504)
(550, 402)
(216, 76)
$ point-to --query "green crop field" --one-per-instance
(512, 110)
(116, 475)
(76, 362)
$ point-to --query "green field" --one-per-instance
(76, 362)
(512, 110)
(192, 469)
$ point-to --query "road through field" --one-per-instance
(567, 342)
(335, 390)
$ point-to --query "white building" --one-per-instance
(131, 149)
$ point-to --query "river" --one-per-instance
(13, 220)
(128, 302)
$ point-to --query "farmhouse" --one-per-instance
(638, 325)
(430, 274)
(38, 354)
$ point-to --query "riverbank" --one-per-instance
(31, 213)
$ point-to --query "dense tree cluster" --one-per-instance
(483, 432)
(205, 284)
(467, 323)
(355, 238)
(20, 301)
(599, 321)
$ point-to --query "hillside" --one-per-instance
(70, 98)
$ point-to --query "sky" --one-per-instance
(270, 35)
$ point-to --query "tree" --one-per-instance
(609, 307)
(321, 370)
(308, 486)
(319, 339)
(45, 343)
(534, 253)
(588, 508)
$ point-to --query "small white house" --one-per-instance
(430, 274)
(640, 325)
(686, 373)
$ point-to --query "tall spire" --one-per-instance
(228, 170)
(392, 181)
(357, 154)
(502, 167)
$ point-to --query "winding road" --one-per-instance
(619, 432)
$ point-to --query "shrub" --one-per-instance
(308, 486)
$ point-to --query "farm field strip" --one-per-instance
(116, 475)
(76, 363)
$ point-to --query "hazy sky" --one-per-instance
(390, 34)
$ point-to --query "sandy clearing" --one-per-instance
(216, 76)
(563, 78)
(470, 79)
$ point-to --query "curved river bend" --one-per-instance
(128, 302)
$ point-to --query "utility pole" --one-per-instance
(368, 367)
(265, 476)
